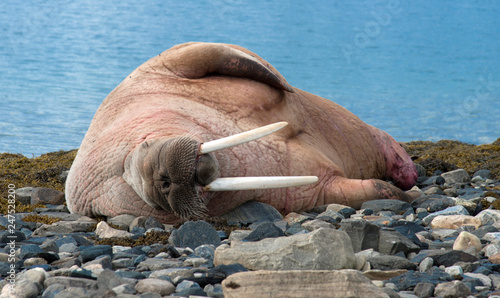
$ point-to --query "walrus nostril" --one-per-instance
(207, 169)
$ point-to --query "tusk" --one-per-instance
(248, 183)
(241, 138)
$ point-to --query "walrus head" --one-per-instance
(175, 174)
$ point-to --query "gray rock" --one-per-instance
(160, 286)
(193, 234)
(85, 283)
(456, 176)
(36, 275)
(42, 195)
(52, 290)
(320, 249)
(205, 251)
(34, 251)
(363, 234)
(23, 195)
(264, 230)
(426, 264)
(385, 262)
(108, 280)
(152, 222)
(396, 206)
(214, 290)
(137, 222)
(489, 216)
(154, 264)
(392, 242)
(424, 289)
(22, 288)
(92, 252)
(316, 224)
(251, 212)
(123, 221)
(485, 174)
(63, 227)
(75, 292)
(124, 289)
(452, 289)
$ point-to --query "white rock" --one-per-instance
(160, 286)
(321, 249)
(103, 230)
(455, 271)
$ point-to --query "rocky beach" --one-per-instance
(446, 243)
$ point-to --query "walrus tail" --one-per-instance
(197, 60)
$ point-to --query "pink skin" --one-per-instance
(167, 97)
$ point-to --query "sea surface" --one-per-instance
(420, 70)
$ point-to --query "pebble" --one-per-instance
(440, 245)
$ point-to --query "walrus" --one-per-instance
(144, 155)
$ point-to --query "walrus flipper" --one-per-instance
(197, 60)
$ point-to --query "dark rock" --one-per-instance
(424, 289)
(264, 230)
(104, 261)
(152, 222)
(193, 234)
(428, 181)
(449, 258)
(85, 283)
(223, 271)
(420, 170)
(392, 242)
(363, 234)
(189, 292)
(92, 252)
(17, 236)
(410, 279)
(481, 231)
(396, 206)
(485, 174)
(251, 212)
(385, 262)
(42, 195)
(67, 262)
(108, 279)
(409, 229)
(34, 251)
(295, 228)
(367, 211)
(433, 203)
(52, 290)
(205, 251)
(347, 212)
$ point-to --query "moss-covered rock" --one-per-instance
(448, 155)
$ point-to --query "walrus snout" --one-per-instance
(207, 169)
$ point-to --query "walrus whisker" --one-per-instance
(266, 182)
(241, 138)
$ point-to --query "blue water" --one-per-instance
(420, 70)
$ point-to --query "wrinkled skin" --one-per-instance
(140, 154)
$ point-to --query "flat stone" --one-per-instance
(160, 286)
(108, 280)
(456, 176)
(483, 278)
(63, 227)
(454, 221)
(392, 242)
(375, 274)
(122, 221)
(154, 264)
(251, 212)
(92, 252)
(433, 203)
(396, 206)
(42, 195)
(452, 289)
(305, 283)
(449, 258)
(316, 224)
(104, 231)
(264, 230)
(385, 262)
(321, 249)
(410, 279)
(71, 282)
(193, 234)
